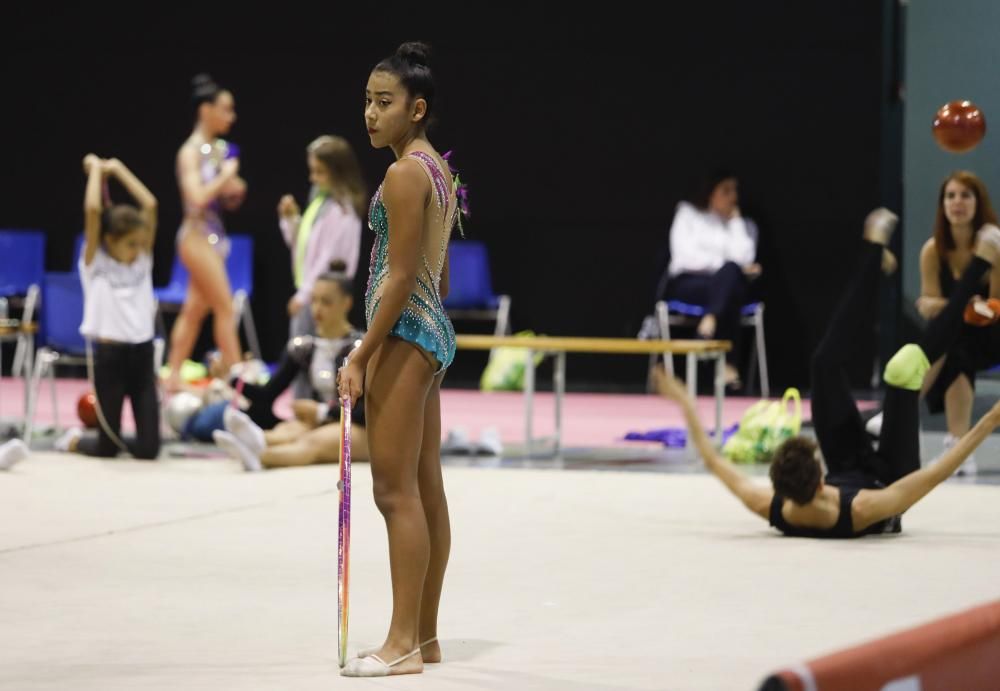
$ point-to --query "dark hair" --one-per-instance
(204, 90)
(944, 241)
(411, 63)
(336, 273)
(707, 185)
(119, 220)
(795, 471)
(338, 157)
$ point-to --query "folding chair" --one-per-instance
(676, 313)
(751, 315)
(62, 314)
(239, 267)
(21, 275)
(23, 265)
(470, 294)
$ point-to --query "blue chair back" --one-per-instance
(469, 281)
(239, 263)
(176, 289)
(62, 312)
(23, 260)
(239, 267)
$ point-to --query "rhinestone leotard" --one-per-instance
(208, 220)
(423, 321)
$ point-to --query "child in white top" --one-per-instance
(116, 268)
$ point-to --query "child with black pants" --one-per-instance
(116, 270)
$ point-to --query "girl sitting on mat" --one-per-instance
(116, 270)
(258, 438)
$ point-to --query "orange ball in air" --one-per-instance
(959, 126)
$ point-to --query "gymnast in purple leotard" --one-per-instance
(208, 177)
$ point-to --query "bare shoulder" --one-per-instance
(928, 252)
(867, 508)
(187, 154)
(760, 501)
(406, 179)
(405, 171)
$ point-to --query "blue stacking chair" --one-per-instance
(23, 265)
(239, 266)
(470, 294)
(21, 272)
(62, 314)
(677, 313)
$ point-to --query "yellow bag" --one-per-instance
(763, 427)
(505, 370)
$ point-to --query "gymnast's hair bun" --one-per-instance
(415, 53)
(203, 89)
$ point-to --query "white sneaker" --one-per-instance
(238, 450)
(243, 428)
(968, 467)
(874, 426)
(68, 439)
(12, 452)
(489, 442)
(457, 443)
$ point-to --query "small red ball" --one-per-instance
(959, 126)
(86, 409)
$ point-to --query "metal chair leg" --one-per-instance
(41, 362)
(244, 317)
(752, 372)
(663, 317)
(55, 395)
(502, 327)
(251, 330)
(649, 372)
(765, 382)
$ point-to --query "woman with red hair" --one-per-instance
(963, 209)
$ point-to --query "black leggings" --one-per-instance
(262, 398)
(839, 428)
(977, 348)
(120, 370)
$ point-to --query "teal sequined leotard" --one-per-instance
(423, 320)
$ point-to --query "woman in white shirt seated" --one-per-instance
(712, 250)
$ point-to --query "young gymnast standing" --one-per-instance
(402, 359)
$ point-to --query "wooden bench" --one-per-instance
(13, 327)
(558, 346)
